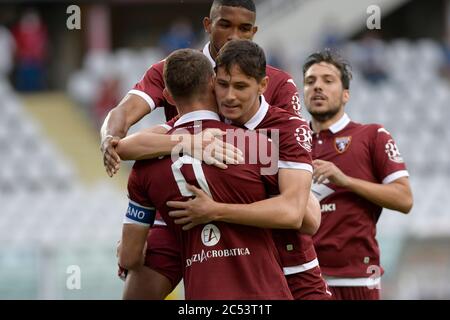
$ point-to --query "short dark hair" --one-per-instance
(246, 4)
(244, 53)
(333, 58)
(186, 73)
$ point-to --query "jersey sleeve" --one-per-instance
(387, 160)
(287, 97)
(140, 209)
(151, 86)
(295, 145)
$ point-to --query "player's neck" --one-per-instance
(250, 114)
(318, 125)
(197, 105)
(205, 101)
(212, 51)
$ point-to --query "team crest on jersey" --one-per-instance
(342, 143)
(392, 151)
(303, 135)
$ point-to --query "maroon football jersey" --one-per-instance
(294, 144)
(220, 260)
(281, 91)
(345, 243)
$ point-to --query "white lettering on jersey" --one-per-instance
(328, 207)
(392, 151)
(303, 135)
(296, 105)
(212, 254)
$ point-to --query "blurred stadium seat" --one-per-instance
(45, 208)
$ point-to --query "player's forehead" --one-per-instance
(235, 15)
(323, 69)
(234, 74)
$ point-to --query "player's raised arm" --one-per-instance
(205, 146)
(143, 98)
(146, 144)
(131, 109)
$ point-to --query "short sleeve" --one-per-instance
(151, 86)
(140, 208)
(295, 145)
(387, 159)
(287, 97)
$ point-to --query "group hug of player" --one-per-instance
(237, 194)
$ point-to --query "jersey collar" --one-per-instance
(259, 115)
(208, 54)
(340, 124)
(197, 116)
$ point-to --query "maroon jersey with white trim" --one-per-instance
(294, 247)
(281, 91)
(220, 260)
(295, 136)
(152, 84)
(345, 243)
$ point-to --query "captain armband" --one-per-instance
(138, 214)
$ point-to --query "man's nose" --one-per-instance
(235, 35)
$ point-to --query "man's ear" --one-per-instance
(262, 87)
(207, 24)
(346, 96)
(168, 96)
(254, 30)
(212, 82)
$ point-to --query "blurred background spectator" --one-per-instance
(30, 34)
(371, 59)
(330, 35)
(445, 68)
(7, 48)
(180, 35)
